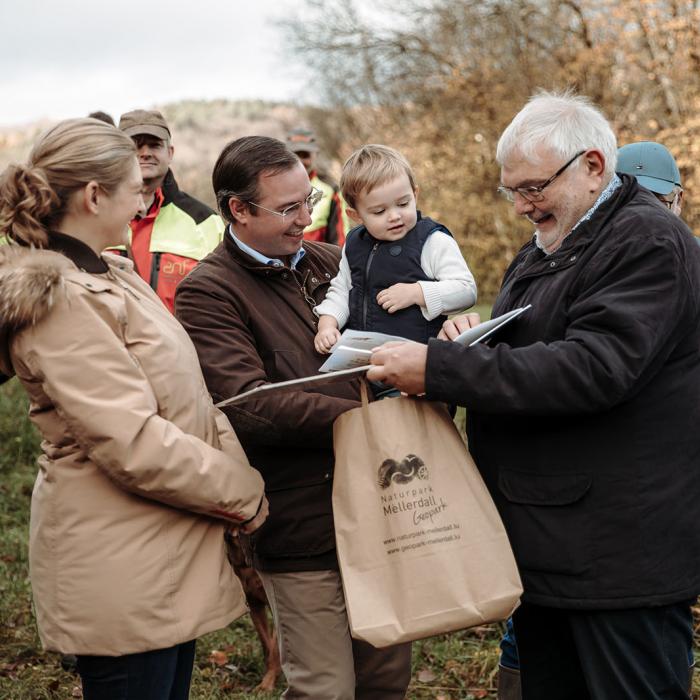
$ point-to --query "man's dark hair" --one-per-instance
(102, 116)
(238, 169)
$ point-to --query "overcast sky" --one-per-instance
(63, 58)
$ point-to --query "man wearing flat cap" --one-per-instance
(175, 230)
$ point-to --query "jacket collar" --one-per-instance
(79, 253)
(590, 229)
(169, 187)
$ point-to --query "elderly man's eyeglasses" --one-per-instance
(534, 193)
(310, 202)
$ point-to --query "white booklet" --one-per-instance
(349, 358)
(487, 328)
(300, 384)
(354, 348)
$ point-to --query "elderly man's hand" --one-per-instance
(400, 364)
(454, 326)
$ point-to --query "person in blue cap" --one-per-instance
(656, 169)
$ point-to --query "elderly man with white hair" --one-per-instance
(583, 413)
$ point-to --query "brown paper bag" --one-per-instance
(422, 549)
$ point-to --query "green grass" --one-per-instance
(460, 666)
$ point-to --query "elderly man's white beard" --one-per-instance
(540, 245)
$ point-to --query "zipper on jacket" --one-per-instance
(304, 293)
(365, 300)
(155, 269)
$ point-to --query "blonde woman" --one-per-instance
(139, 474)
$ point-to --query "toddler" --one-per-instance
(400, 273)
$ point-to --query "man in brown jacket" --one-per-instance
(249, 310)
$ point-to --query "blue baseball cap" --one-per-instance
(652, 165)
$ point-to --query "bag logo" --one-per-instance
(403, 472)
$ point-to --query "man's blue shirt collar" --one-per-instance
(608, 192)
(275, 262)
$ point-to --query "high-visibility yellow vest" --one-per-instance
(172, 238)
(329, 220)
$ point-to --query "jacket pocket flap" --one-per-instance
(543, 489)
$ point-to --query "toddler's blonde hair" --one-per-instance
(371, 166)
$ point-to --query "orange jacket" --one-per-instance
(176, 233)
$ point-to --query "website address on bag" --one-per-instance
(420, 533)
(424, 543)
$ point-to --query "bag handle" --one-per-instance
(364, 389)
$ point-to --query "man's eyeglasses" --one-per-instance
(534, 193)
(310, 202)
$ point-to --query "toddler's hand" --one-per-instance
(400, 296)
(325, 339)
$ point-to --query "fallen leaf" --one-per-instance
(220, 658)
(426, 676)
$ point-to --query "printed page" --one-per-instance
(350, 358)
(354, 348)
(487, 328)
(312, 383)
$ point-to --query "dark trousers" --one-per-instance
(635, 654)
(163, 674)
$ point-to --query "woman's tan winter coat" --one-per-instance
(138, 473)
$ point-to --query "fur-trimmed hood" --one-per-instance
(30, 282)
(30, 279)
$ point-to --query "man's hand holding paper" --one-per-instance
(400, 364)
(403, 364)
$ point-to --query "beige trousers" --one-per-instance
(320, 659)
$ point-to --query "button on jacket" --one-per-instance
(583, 419)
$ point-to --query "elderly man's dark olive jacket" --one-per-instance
(253, 323)
(584, 416)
